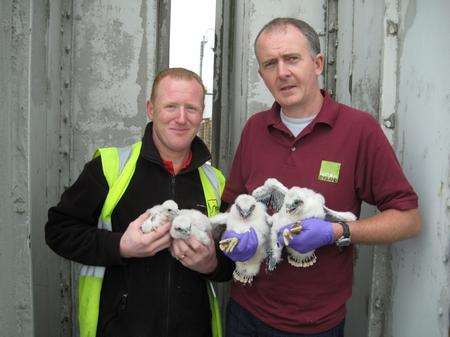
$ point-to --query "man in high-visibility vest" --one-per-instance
(145, 284)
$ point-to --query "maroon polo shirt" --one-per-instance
(364, 168)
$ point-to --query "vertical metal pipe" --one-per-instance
(163, 35)
(65, 278)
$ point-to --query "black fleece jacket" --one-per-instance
(155, 296)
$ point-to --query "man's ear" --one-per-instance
(150, 109)
(319, 63)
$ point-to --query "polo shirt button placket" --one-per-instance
(293, 148)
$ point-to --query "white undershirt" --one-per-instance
(295, 125)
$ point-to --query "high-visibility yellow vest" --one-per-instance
(118, 167)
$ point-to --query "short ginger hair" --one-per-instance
(176, 73)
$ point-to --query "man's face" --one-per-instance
(287, 67)
(177, 113)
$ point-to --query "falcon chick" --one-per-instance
(271, 193)
(297, 204)
(245, 214)
(191, 222)
(159, 214)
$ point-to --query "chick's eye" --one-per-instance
(296, 202)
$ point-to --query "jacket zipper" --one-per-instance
(172, 187)
(121, 306)
(169, 276)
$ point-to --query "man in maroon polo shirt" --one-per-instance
(306, 139)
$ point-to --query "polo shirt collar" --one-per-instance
(327, 114)
(168, 164)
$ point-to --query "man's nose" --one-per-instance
(283, 70)
(182, 115)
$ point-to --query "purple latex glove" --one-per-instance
(246, 247)
(315, 233)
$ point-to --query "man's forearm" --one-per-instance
(383, 228)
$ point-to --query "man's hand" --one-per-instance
(239, 246)
(134, 243)
(314, 233)
(195, 255)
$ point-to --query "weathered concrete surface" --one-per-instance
(420, 294)
(51, 274)
(16, 311)
(113, 63)
(31, 275)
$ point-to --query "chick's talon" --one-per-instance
(241, 277)
(227, 245)
(296, 229)
(287, 237)
(233, 244)
(223, 245)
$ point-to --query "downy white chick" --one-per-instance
(244, 214)
(271, 194)
(159, 214)
(191, 222)
(298, 204)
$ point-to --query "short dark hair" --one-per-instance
(308, 32)
(177, 73)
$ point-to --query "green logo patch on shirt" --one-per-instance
(329, 171)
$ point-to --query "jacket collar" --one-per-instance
(200, 153)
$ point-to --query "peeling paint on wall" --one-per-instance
(114, 61)
(421, 264)
(407, 22)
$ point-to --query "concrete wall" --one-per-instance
(114, 61)
(420, 268)
(16, 317)
(51, 277)
(32, 279)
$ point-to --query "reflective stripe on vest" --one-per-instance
(213, 183)
(118, 168)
